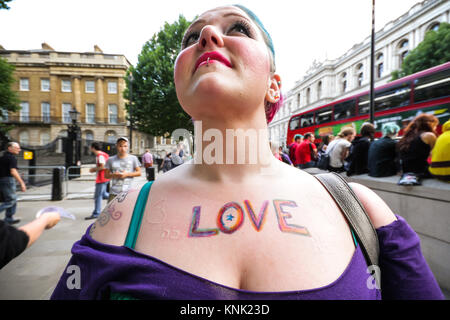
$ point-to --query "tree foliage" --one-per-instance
(9, 101)
(156, 109)
(432, 51)
(3, 4)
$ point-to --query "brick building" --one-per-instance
(50, 83)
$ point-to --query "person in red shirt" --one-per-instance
(306, 152)
(298, 138)
(100, 182)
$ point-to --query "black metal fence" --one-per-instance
(52, 154)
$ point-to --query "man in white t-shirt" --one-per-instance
(121, 169)
(339, 148)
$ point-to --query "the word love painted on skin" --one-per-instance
(230, 219)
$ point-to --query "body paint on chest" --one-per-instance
(231, 217)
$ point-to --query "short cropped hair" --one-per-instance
(96, 146)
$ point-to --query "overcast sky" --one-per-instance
(302, 30)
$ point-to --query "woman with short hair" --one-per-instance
(237, 223)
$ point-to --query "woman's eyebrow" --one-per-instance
(224, 16)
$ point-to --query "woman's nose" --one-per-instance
(210, 37)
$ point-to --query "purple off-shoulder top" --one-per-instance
(107, 270)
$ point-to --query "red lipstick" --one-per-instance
(210, 57)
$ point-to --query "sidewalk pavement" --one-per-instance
(34, 274)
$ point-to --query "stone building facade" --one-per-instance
(349, 74)
(50, 83)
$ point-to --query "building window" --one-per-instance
(45, 85)
(111, 136)
(66, 86)
(434, 27)
(89, 137)
(112, 87)
(45, 112)
(380, 65)
(90, 113)
(90, 86)
(24, 138)
(66, 107)
(24, 112)
(344, 82)
(24, 84)
(4, 115)
(298, 100)
(360, 74)
(319, 90)
(45, 138)
(308, 95)
(112, 114)
(403, 50)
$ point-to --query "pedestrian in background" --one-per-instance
(338, 149)
(359, 150)
(175, 156)
(15, 241)
(383, 158)
(440, 158)
(166, 165)
(101, 182)
(306, 152)
(416, 144)
(8, 175)
(298, 138)
(147, 159)
(275, 148)
(285, 157)
(121, 169)
(326, 140)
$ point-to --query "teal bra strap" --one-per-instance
(354, 238)
(138, 213)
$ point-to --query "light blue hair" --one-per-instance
(390, 129)
(266, 35)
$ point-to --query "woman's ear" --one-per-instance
(274, 92)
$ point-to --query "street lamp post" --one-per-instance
(372, 67)
(131, 79)
(73, 150)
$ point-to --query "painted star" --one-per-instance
(230, 217)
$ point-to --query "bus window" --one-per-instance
(393, 97)
(432, 87)
(307, 120)
(323, 115)
(364, 104)
(344, 110)
(295, 123)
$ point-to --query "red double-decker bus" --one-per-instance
(397, 102)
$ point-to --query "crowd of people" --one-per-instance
(419, 154)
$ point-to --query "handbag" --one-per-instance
(324, 161)
(355, 213)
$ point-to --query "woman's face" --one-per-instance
(224, 65)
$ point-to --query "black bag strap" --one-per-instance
(355, 213)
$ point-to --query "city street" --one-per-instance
(35, 273)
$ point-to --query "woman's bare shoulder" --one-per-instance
(428, 138)
(112, 225)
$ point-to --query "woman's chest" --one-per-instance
(237, 239)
